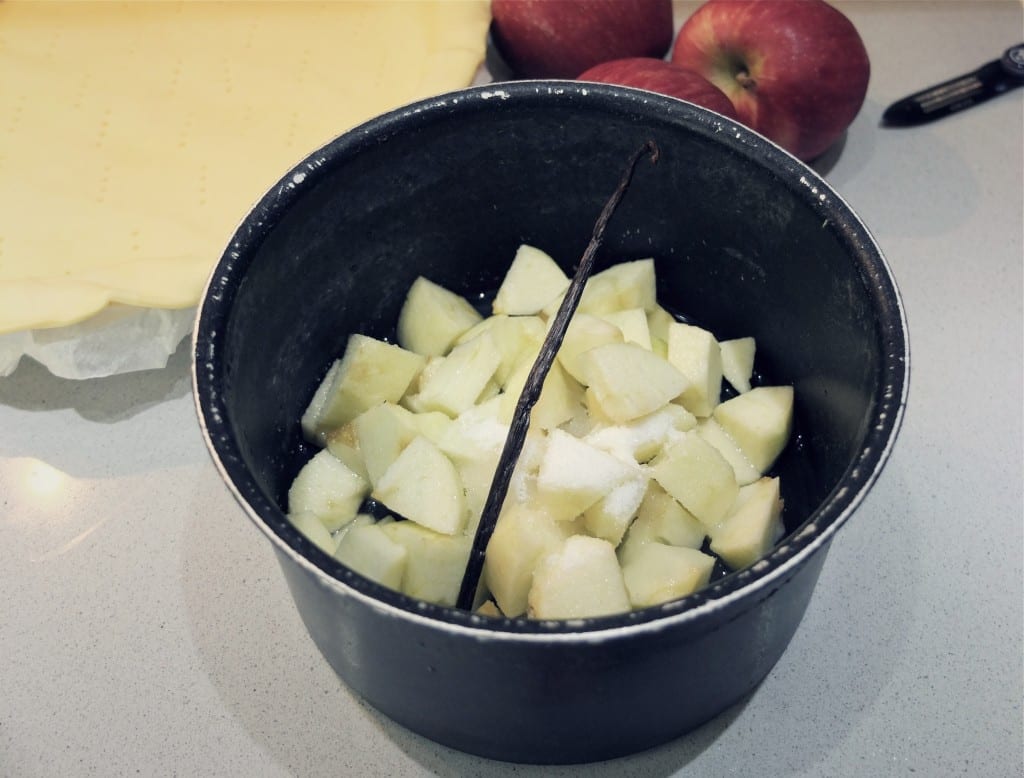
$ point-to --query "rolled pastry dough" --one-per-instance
(135, 135)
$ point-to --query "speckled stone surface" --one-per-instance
(145, 627)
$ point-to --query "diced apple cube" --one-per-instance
(697, 355)
(521, 538)
(628, 381)
(610, 517)
(309, 524)
(581, 579)
(584, 333)
(532, 281)
(663, 519)
(370, 372)
(476, 432)
(326, 487)
(658, 573)
(738, 362)
(621, 286)
(633, 323)
(422, 485)
(370, 551)
(432, 424)
(382, 432)
(760, 422)
(712, 432)
(432, 317)
(658, 321)
(513, 336)
(458, 380)
(753, 527)
(692, 471)
(435, 563)
(560, 397)
(346, 448)
(574, 475)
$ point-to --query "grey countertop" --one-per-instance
(145, 627)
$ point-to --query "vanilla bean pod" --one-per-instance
(535, 383)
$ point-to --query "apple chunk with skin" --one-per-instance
(797, 71)
(656, 75)
(580, 580)
(544, 39)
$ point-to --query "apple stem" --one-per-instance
(745, 80)
(535, 383)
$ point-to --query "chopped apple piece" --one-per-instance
(370, 372)
(712, 432)
(423, 486)
(346, 448)
(753, 527)
(621, 286)
(657, 573)
(370, 551)
(661, 518)
(628, 381)
(310, 422)
(760, 422)
(435, 562)
(697, 355)
(514, 337)
(641, 439)
(522, 537)
(327, 488)
(432, 317)
(633, 323)
(432, 424)
(738, 362)
(309, 524)
(692, 471)
(382, 432)
(574, 475)
(584, 333)
(658, 321)
(458, 380)
(532, 281)
(610, 517)
(580, 580)
(560, 397)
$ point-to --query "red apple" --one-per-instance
(796, 70)
(562, 38)
(657, 75)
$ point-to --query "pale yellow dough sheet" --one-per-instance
(134, 136)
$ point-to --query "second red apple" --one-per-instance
(796, 70)
(657, 75)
